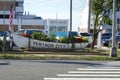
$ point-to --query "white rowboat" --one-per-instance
(23, 42)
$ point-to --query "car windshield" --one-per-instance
(106, 35)
(85, 34)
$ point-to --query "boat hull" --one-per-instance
(24, 42)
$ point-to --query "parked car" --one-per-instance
(6, 34)
(117, 40)
(106, 38)
(88, 35)
(28, 32)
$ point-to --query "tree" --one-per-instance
(100, 11)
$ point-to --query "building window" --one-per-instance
(19, 4)
(62, 29)
(118, 9)
(52, 28)
(4, 16)
(118, 20)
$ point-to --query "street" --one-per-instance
(40, 69)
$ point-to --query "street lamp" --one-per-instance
(113, 50)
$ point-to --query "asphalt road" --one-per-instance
(39, 69)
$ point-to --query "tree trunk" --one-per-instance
(95, 32)
(94, 40)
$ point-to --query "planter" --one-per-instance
(24, 42)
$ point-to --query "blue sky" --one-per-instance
(49, 9)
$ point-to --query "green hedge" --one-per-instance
(52, 38)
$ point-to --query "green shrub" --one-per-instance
(52, 37)
(85, 39)
(72, 39)
(39, 36)
(64, 40)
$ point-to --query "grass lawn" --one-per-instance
(85, 54)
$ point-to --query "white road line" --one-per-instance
(90, 74)
(104, 67)
(98, 72)
(99, 69)
(81, 78)
(87, 75)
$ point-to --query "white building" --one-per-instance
(59, 27)
(85, 16)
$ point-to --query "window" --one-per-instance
(4, 16)
(19, 4)
(52, 28)
(62, 28)
(118, 9)
(118, 20)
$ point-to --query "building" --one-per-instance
(85, 17)
(27, 21)
(20, 20)
(59, 27)
(117, 21)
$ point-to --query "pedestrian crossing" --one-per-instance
(90, 73)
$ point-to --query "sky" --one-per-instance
(52, 9)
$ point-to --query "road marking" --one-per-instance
(98, 69)
(89, 75)
(81, 78)
(91, 72)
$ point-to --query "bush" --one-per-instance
(85, 39)
(39, 36)
(64, 40)
(74, 39)
(52, 37)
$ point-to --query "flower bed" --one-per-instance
(52, 38)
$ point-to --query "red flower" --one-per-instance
(79, 40)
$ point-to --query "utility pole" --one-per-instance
(113, 50)
(89, 15)
(70, 15)
(4, 36)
